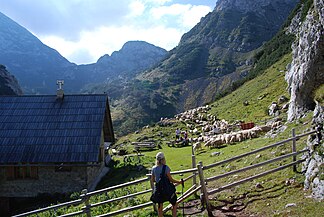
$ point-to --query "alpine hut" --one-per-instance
(52, 143)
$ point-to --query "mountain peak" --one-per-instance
(133, 50)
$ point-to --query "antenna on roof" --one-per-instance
(60, 92)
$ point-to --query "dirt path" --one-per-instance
(194, 208)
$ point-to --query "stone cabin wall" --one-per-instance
(49, 181)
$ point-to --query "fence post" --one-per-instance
(152, 186)
(204, 198)
(194, 179)
(294, 148)
(85, 198)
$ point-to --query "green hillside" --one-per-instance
(257, 94)
(270, 201)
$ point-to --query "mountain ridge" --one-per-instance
(25, 55)
(220, 47)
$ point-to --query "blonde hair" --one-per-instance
(160, 159)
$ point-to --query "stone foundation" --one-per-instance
(49, 181)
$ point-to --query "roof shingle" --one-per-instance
(44, 129)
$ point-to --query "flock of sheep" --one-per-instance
(208, 131)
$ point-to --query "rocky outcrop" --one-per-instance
(306, 72)
(8, 83)
(304, 77)
(314, 164)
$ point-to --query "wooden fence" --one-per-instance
(196, 170)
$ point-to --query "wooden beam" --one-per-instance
(128, 209)
(57, 206)
(117, 186)
(120, 198)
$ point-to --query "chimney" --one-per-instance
(60, 92)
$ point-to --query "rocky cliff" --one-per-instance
(8, 83)
(304, 78)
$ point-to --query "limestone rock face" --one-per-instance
(306, 71)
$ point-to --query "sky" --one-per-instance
(84, 30)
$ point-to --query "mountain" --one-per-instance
(8, 83)
(35, 65)
(125, 64)
(133, 57)
(27, 57)
(221, 49)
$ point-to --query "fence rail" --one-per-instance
(195, 170)
(70, 203)
(254, 166)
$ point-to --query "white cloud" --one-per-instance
(185, 15)
(193, 16)
(156, 2)
(99, 42)
(137, 8)
(175, 9)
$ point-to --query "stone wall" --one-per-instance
(49, 181)
(314, 164)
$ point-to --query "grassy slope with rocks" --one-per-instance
(278, 189)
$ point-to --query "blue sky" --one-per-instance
(84, 30)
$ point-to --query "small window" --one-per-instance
(22, 172)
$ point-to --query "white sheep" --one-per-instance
(196, 146)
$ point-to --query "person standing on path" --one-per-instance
(156, 174)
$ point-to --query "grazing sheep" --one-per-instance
(195, 131)
(232, 138)
(208, 143)
(239, 137)
(276, 124)
(227, 138)
(196, 146)
(200, 139)
(217, 142)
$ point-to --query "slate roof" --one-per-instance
(44, 129)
